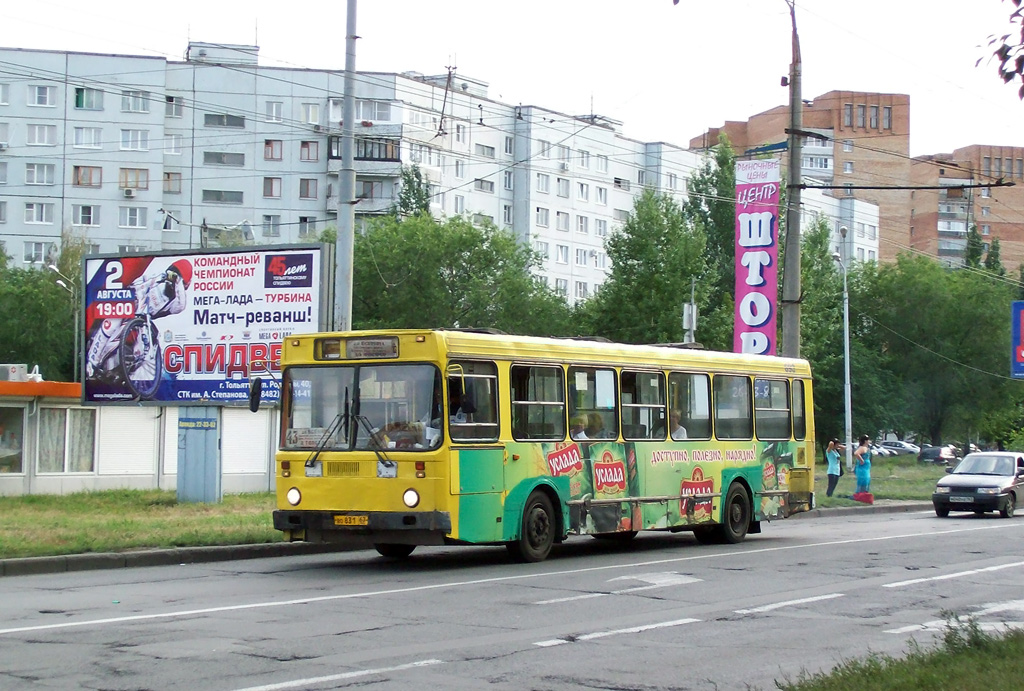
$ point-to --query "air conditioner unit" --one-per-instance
(317, 128)
(563, 165)
(129, 193)
(13, 372)
(3, 146)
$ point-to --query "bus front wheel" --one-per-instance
(537, 532)
(393, 551)
(735, 515)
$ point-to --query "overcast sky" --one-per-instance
(668, 72)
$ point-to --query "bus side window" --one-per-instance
(799, 416)
(690, 399)
(538, 402)
(771, 409)
(733, 414)
(643, 405)
(473, 401)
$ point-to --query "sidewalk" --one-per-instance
(198, 555)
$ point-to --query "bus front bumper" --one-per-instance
(365, 527)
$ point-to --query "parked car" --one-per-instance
(901, 448)
(945, 454)
(984, 481)
(880, 451)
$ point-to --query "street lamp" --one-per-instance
(846, 355)
(68, 285)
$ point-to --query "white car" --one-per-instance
(901, 448)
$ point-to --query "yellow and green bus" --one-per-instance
(399, 438)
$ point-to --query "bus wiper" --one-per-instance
(374, 443)
(332, 429)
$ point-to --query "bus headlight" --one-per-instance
(411, 498)
(294, 496)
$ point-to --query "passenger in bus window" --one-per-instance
(678, 431)
(577, 429)
(595, 427)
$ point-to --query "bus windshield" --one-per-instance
(357, 407)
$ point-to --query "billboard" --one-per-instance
(1017, 331)
(189, 328)
(757, 254)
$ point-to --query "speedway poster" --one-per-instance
(190, 329)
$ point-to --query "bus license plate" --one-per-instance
(351, 520)
(961, 500)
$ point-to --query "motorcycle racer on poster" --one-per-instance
(127, 350)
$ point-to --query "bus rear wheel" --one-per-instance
(393, 551)
(537, 533)
(735, 515)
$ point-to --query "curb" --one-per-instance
(28, 566)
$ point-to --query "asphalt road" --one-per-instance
(661, 613)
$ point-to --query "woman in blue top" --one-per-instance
(862, 464)
(832, 456)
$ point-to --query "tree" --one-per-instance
(424, 273)
(992, 262)
(413, 194)
(975, 248)
(654, 256)
(1009, 50)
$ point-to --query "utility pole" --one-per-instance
(791, 266)
(346, 185)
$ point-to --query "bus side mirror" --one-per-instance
(255, 391)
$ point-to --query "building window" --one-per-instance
(3, 172)
(564, 153)
(373, 110)
(986, 192)
(600, 227)
(583, 191)
(34, 252)
(369, 189)
(508, 145)
(848, 189)
(272, 187)
(134, 140)
(562, 187)
(543, 216)
(460, 168)
(131, 217)
(172, 183)
(873, 122)
(543, 149)
(602, 163)
(311, 113)
(601, 262)
(481, 219)
(562, 286)
(274, 111)
(309, 151)
(172, 145)
(271, 225)
(223, 120)
(42, 96)
(581, 289)
(307, 225)
(460, 204)
(672, 181)
(847, 145)
(88, 138)
(134, 101)
(5, 94)
(273, 149)
(508, 179)
(986, 210)
(986, 165)
(562, 254)
(483, 185)
(583, 225)
(561, 220)
(460, 133)
(986, 229)
(41, 135)
(85, 214)
(1020, 167)
(543, 183)
(87, 176)
(886, 117)
(641, 177)
(372, 149)
(862, 111)
(602, 195)
(223, 197)
(543, 249)
(621, 184)
(847, 115)
(847, 166)
(39, 173)
(88, 99)
(581, 256)
(584, 159)
(133, 178)
(307, 188)
(506, 214)
(620, 215)
(223, 158)
(485, 151)
(129, 249)
(172, 106)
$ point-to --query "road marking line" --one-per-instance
(305, 683)
(787, 603)
(664, 582)
(614, 632)
(946, 577)
(1002, 525)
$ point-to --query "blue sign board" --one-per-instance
(1017, 342)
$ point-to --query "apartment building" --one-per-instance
(976, 185)
(141, 154)
(856, 145)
